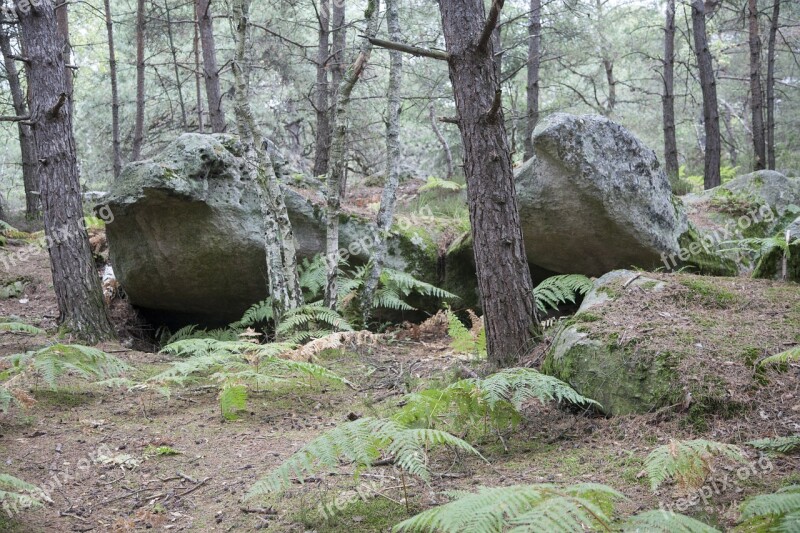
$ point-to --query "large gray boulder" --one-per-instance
(594, 198)
(186, 240)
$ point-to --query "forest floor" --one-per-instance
(102, 445)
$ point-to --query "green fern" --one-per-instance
(19, 327)
(497, 399)
(779, 511)
(663, 521)
(689, 461)
(259, 313)
(55, 361)
(361, 442)
(789, 356)
(518, 508)
(438, 184)
(311, 321)
(561, 289)
(463, 339)
(779, 444)
(193, 332)
(16, 494)
(236, 366)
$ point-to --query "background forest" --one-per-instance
(601, 57)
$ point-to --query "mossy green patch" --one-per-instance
(709, 294)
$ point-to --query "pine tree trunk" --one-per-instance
(337, 163)
(213, 93)
(323, 133)
(504, 279)
(75, 280)
(201, 127)
(773, 32)
(708, 84)
(668, 99)
(756, 98)
(112, 68)
(284, 287)
(534, 60)
(174, 52)
(138, 128)
(27, 144)
(389, 196)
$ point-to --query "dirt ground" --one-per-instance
(96, 448)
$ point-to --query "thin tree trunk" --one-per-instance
(174, 52)
(504, 279)
(323, 133)
(445, 145)
(756, 98)
(389, 196)
(336, 166)
(138, 128)
(198, 73)
(27, 143)
(75, 280)
(112, 67)
(708, 84)
(213, 93)
(339, 43)
(284, 286)
(773, 31)
(62, 23)
(534, 60)
(611, 103)
(668, 99)
(730, 136)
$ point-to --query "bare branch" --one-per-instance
(498, 99)
(491, 22)
(409, 49)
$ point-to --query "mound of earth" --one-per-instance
(642, 342)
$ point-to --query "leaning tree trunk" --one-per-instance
(448, 154)
(213, 93)
(323, 134)
(534, 60)
(773, 32)
(284, 287)
(336, 166)
(175, 68)
(27, 144)
(756, 98)
(75, 280)
(504, 279)
(138, 128)
(389, 196)
(112, 70)
(668, 98)
(708, 84)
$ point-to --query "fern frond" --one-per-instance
(561, 289)
(778, 444)
(543, 507)
(789, 356)
(663, 521)
(688, 461)
(462, 338)
(19, 327)
(16, 494)
(406, 284)
(779, 511)
(360, 442)
(435, 183)
(519, 385)
(258, 313)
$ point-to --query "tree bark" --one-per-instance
(339, 43)
(756, 97)
(336, 170)
(708, 84)
(534, 60)
(504, 279)
(281, 257)
(389, 195)
(138, 128)
(773, 32)
(198, 74)
(27, 143)
(213, 93)
(112, 67)
(448, 154)
(668, 99)
(75, 280)
(174, 53)
(323, 133)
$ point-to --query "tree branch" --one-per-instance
(491, 22)
(15, 119)
(450, 120)
(498, 99)
(409, 49)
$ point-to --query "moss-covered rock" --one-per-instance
(770, 263)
